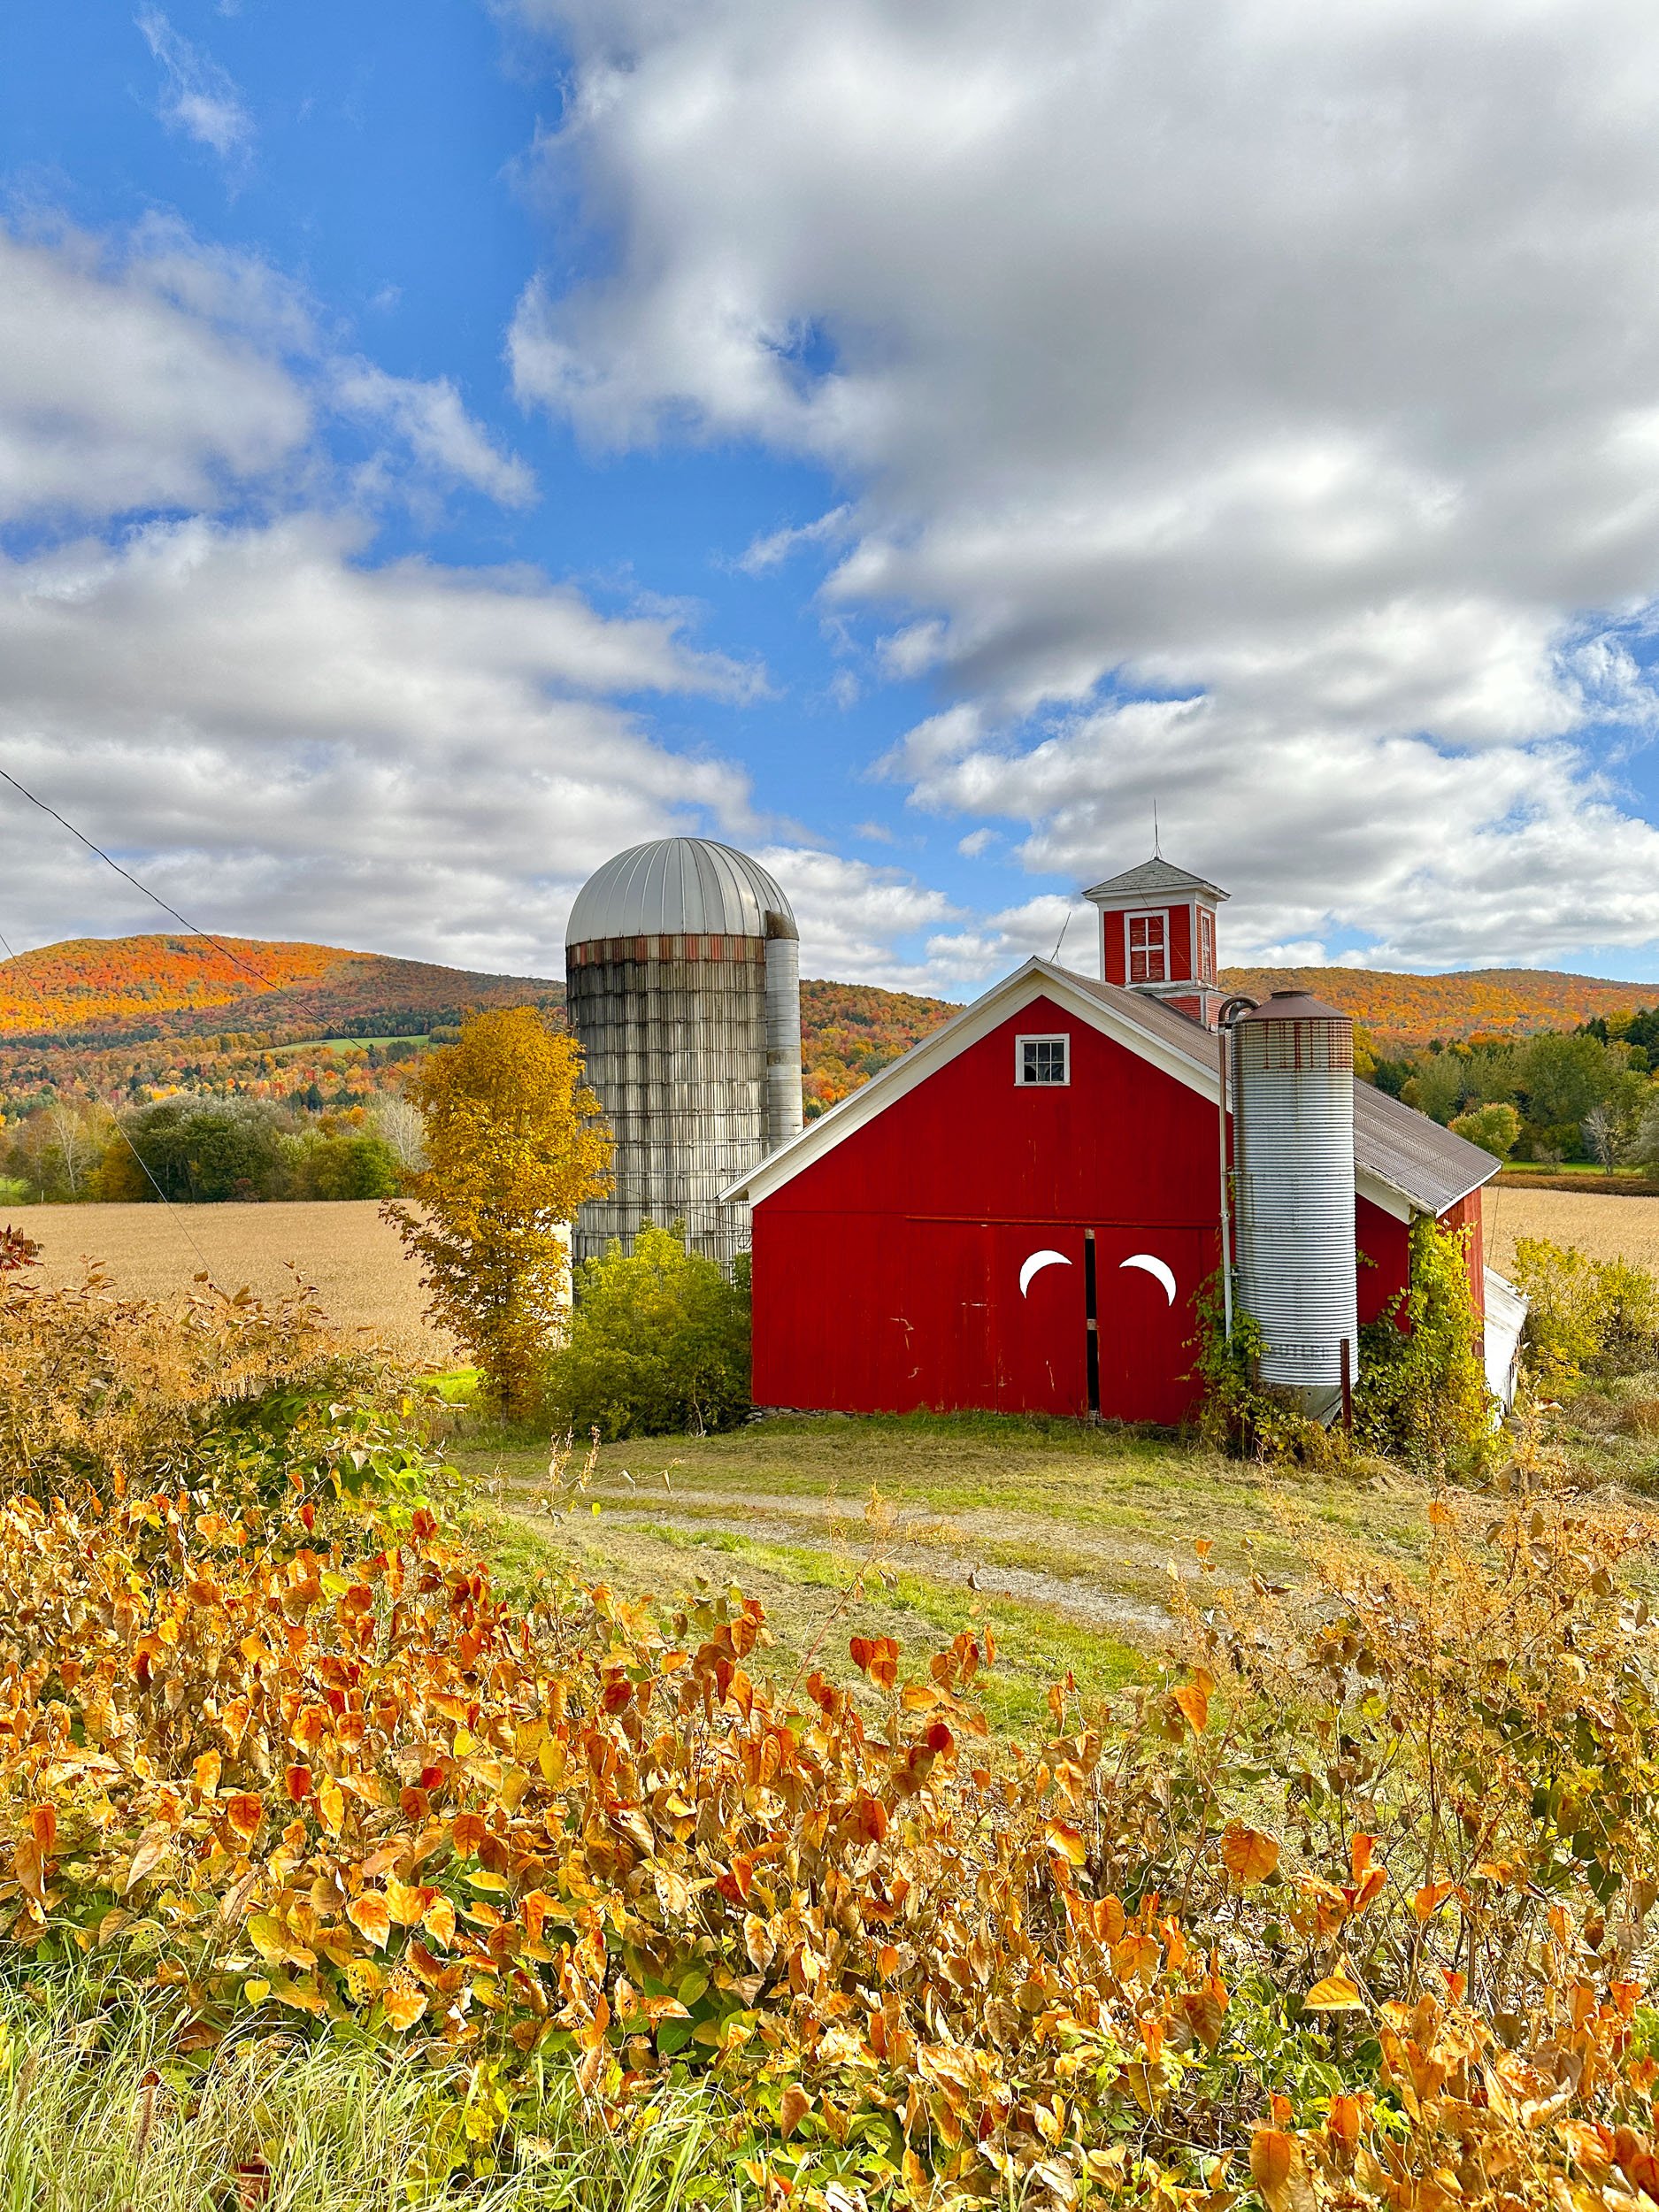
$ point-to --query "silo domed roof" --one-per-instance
(679, 885)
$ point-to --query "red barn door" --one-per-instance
(1147, 1280)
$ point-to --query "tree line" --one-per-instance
(199, 1148)
(1588, 1094)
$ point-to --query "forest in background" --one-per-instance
(293, 1089)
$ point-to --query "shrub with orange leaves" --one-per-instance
(1348, 1910)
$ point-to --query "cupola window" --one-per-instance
(1147, 956)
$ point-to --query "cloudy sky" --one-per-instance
(443, 442)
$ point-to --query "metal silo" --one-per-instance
(1294, 1158)
(683, 978)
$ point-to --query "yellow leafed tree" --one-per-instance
(514, 1145)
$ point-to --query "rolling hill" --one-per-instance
(96, 992)
(128, 1017)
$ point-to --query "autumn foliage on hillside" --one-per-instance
(100, 990)
(1346, 1906)
(1405, 1013)
(850, 1032)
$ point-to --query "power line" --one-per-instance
(127, 874)
(120, 1130)
(196, 930)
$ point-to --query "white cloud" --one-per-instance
(1298, 358)
(409, 756)
(198, 97)
(771, 551)
(221, 678)
(142, 379)
(429, 415)
(852, 915)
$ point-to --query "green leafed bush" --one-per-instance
(1495, 1129)
(658, 1342)
(1587, 1316)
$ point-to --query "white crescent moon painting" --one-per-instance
(1035, 1264)
(1153, 1266)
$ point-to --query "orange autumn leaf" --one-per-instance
(44, 1825)
(793, 2107)
(244, 1811)
(1272, 2153)
(1065, 1841)
(369, 1916)
(1193, 1702)
(403, 2007)
(1248, 1854)
(877, 1656)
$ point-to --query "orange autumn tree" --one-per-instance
(514, 1145)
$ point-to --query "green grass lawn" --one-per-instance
(1062, 1537)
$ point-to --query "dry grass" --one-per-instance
(1606, 1226)
(345, 1250)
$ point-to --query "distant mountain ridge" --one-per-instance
(1406, 1012)
(178, 1009)
(95, 991)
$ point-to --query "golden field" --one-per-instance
(1606, 1226)
(355, 1264)
(348, 1256)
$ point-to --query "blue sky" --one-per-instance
(440, 444)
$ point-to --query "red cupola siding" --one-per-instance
(1158, 935)
(1021, 1214)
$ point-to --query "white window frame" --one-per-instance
(1160, 915)
(1060, 1037)
(1206, 945)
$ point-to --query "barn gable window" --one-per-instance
(1206, 944)
(1043, 1060)
(1148, 961)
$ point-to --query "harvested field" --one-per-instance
(1606, 1226)
(343, 1249)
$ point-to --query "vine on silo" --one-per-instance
(1421, 1396)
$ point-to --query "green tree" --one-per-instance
(514, 1145)
(195, 1150)
(360, 1166)
(659, 1342)
(1494, 1128)
(1437, 1085)
(1564, 1079)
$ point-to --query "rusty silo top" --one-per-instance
(1292, 1006)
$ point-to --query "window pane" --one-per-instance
(1043, 1060)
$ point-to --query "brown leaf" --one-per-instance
(153, 1847)
(793, 2107)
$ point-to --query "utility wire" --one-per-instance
(172, 1210)
(196, 930)
(156, 899)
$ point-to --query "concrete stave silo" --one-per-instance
(1293, 1181)
(683, 988)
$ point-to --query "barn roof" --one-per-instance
(1154, 878)
(1403, 1161)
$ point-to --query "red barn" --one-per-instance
(1042, 1172)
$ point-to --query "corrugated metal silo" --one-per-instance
(682, 976)
(1293, 1159)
